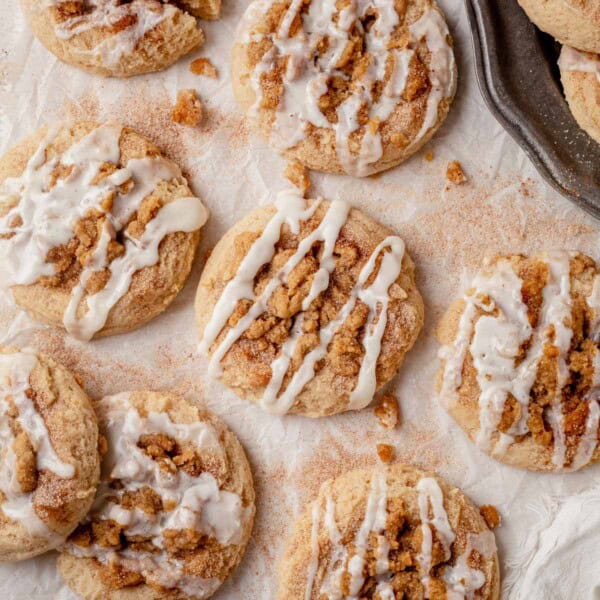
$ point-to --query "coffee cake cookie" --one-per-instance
(345, 87)
(49, 464)
(175, 506)
(572, 22)
(98, 230)
(520, 367)
(390, 533)
(117, 38)
(580, 76)
(307, 307)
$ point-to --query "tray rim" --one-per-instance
(524, 136)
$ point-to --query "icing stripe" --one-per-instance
(374, 521)
(430, 495)
(291, 210)
(574, 60)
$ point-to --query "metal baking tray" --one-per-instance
(520, 82)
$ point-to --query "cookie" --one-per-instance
(49, 463)
(572, 22)
(345, 88)
(520, 368)
(98, 230)
(175, 506)
(391, 533)
(580, 76)
(119, 39)
(307, 307)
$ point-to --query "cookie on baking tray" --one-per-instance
(308, 307)
(49, 464)
(580, 76)
(520, 367)
(119, 39)
(175, 507)
(345, 87)
(390, 533)
(98, 230)
(572, 22)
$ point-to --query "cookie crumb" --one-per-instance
(388, 412)
(297, 173)
(455, 173)
(203, 66)
(102, 445)
(385, 452)
(188, 109)
(490, 515)
(428, 156)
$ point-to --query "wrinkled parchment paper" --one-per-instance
(505, 207)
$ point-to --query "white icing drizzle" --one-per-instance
(291, 209)
(574, 60)
(104, 15)
(430, 495)
(200, 504)
(462, 580)
(340, 561)
(305, 79)
(494, 344)
(47, 217)
(15, 371)
(589, 440)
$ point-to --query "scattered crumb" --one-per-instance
(298, 175)
(388, 412)
(428, 156)
(188, 109)
(454, 173)
(490, 515)
(203, 66)
(385, 452)
(102, 445)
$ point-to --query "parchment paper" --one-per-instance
(504, 207)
